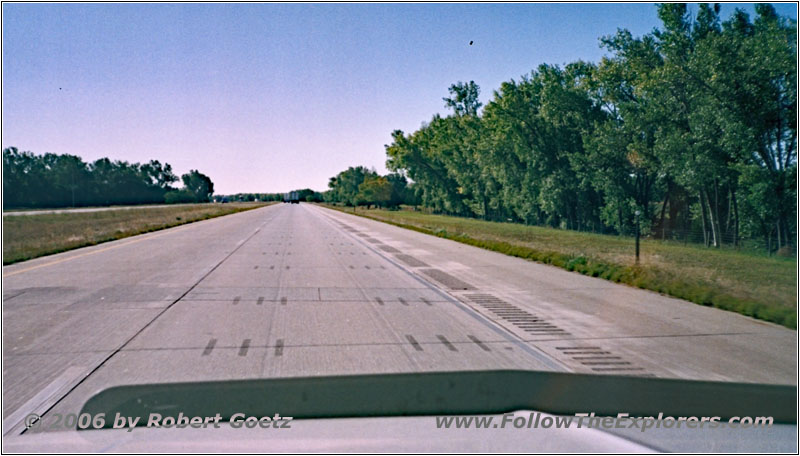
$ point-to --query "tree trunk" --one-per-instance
(703, 217)
(729, 214)
(786, 231)
(715, 222)
(735, 219)
(769, 242)
(687, 222)
(663, 211)
(711, 220)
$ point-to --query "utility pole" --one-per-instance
(637, 235)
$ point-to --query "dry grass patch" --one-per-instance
(31, 236)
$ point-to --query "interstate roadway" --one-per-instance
(300, 290)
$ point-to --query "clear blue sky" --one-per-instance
(271, 97)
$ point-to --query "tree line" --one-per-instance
(305, 194)
(51, 180)
(360, 186)
(689, 131)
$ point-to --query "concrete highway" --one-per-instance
(299, 290)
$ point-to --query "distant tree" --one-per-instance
(21, 172)
(70, 179)
(305, 194)
(344, 187)
(53, 180)
(158, 175)
(180, 197)
(199, 185)
(374, 190)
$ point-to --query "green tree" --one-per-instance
(374, 190)
(692, 126)
(53, 180)
(344, 187)
(199, 185)
(400, 192)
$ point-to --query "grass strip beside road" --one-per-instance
(31, 236)
(747, 283)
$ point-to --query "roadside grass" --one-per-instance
(62, 208)
(31, 236)
(745, 282)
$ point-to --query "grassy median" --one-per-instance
(31, 236)
(745, 282)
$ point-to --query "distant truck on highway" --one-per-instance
(291, 197)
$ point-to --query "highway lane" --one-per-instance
(296, 290)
